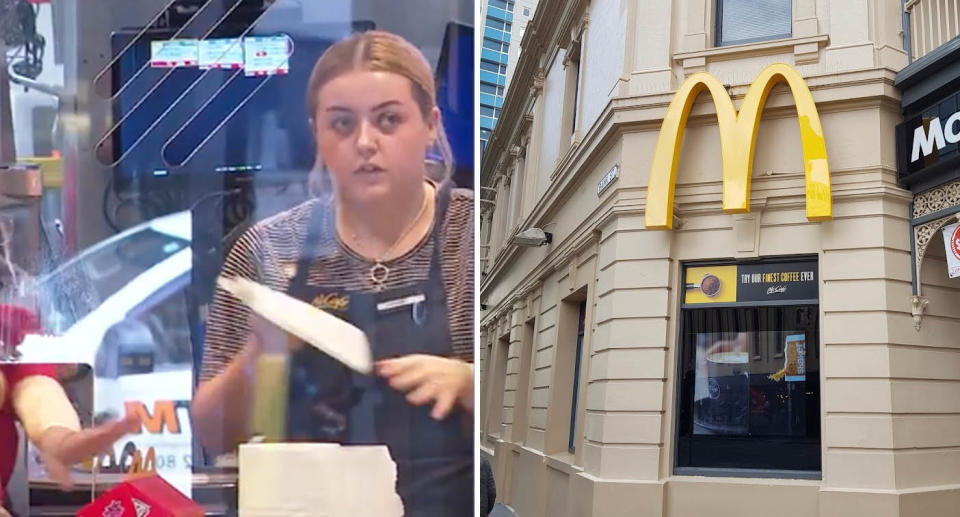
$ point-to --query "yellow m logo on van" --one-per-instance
(738, 135)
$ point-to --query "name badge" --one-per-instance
(401, 302)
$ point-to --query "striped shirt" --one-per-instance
(268, 253)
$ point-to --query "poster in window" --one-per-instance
(710, 284)
(782, 281)
(751, 283)
(737, 392)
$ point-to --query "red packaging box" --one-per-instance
(147, 496)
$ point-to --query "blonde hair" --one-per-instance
(379, 51)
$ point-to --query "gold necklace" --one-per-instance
(379, 272)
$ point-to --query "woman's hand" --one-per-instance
(61, 447)
(430, 379)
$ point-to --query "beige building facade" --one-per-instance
(600, 393)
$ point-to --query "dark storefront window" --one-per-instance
(749, 368)
(572, 437)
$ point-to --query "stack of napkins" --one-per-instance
(317, 480)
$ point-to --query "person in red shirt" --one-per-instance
(31, 395)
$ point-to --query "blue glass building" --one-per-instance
(497, 24)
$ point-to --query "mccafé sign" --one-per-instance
(928, 139)
(738, 135)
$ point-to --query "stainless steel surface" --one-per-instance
(8, 150)
(26, 82)
(84, 114)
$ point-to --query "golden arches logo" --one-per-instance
(738, 136)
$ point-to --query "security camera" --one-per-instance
(532, 237)
(483, 306)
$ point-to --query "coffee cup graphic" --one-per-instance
(709, 285)
(726, 408)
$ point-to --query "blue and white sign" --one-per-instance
(266, 55)
(608, 179)
(174, 53)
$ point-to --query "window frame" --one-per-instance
(718, 29)
(681, 366)
(496, 88)
(501, 68)
(577, 365)
(497, 24)
(498, 380)
(501, 46)
(575, 61)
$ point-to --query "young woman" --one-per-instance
(388, 246)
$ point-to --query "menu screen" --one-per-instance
(266, 55)
(256, 55)
(174, 53)
(221, 53)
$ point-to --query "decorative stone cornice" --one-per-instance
(529, 289)
(526, 130)
(584, 245)
(536, 86)
(577, 29)
(548, 29)
(526, 125)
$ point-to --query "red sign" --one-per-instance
(955, 243)
(951, 242)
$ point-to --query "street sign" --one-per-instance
(608, 179)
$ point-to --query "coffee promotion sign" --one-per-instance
(751, 283)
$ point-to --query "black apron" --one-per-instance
(330, 403)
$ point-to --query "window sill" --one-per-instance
(563, 461)
(489, 451)
(719, 473)
(805, 50)
(563, 160)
